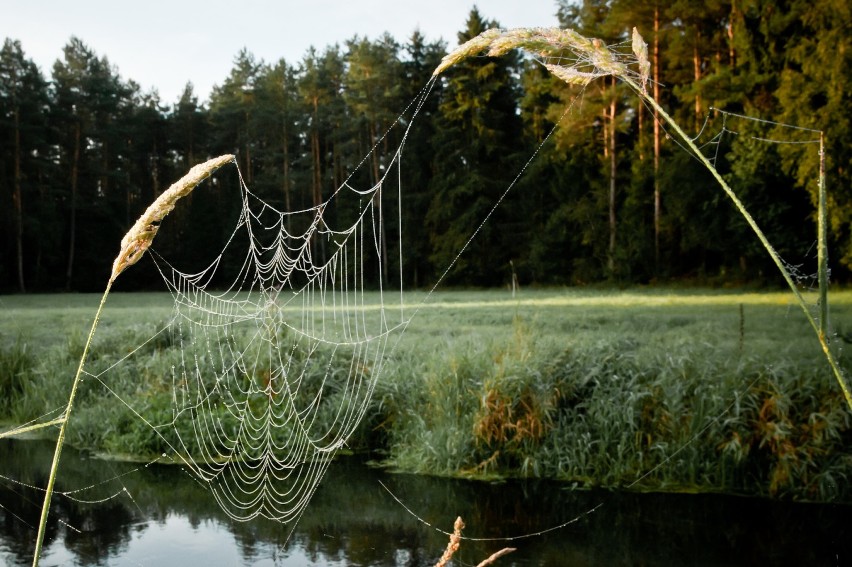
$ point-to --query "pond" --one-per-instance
(160, 515)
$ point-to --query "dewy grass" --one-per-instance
(134, 244)
(579, 60)
(593, 387)
(636, 398)
(16, 362)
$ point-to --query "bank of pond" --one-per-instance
(688, 392)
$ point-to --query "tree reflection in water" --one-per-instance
(166, 517)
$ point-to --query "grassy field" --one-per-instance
(647, 389)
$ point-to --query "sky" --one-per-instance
(163, 45)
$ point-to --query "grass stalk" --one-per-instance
(453, 545)
(60, 440)
(28, 428)
(133, 246)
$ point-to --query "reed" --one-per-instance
(638, 399)
(133, 246)
(453, 544)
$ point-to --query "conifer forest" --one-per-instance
(608, 198)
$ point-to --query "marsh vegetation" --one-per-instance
(689, 390)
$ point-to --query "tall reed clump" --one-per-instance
(793, 433)
(133, 246)
(622, 411)
(428, 404)
(479, 409)
(16, 364)
(517, 404)
(579, 60)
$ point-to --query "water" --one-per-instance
(162, 516)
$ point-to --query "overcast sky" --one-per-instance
(163, 44)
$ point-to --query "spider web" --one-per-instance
(277, 369)
(720, 133)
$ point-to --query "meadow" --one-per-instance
(647, 389)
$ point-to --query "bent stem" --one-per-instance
(28, 428)
(590, 59)
(60, 440)
(819, 328)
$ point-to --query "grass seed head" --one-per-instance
(640, 49)
(138, 239)
(570, 56)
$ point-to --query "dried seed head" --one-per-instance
(454, 543)
(580, 59)
(468, 49)
(571, 75)
(640, 49)
(138, 239)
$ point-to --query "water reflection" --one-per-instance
(159, 515)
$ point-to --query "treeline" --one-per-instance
(608, 197)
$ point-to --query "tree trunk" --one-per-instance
(640, 116)
(17, 199)
(72, 237)
(104, 183)
(612, 173)
(316, 187)
(247, 146)
(190, 151)
(657, 200)
(373, 134)
(732, 53)
(286, 164)
(696, 74)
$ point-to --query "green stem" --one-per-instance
(753, 224)
(19, 430)
(60, 440)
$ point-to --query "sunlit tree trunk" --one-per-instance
(612, 173)
(657, 200)
(696, 72)
(732, 53)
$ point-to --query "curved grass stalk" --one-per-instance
(60, 439)
(133, 246)
(579, 60)
(28, 428)
(820, 328)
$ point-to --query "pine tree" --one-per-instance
(277, 126)
(90, 101)
(23, 151)
(320, 87)
(419, 161)
(188, 123)
(476, 145)
(815, 91)
(232, 108)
